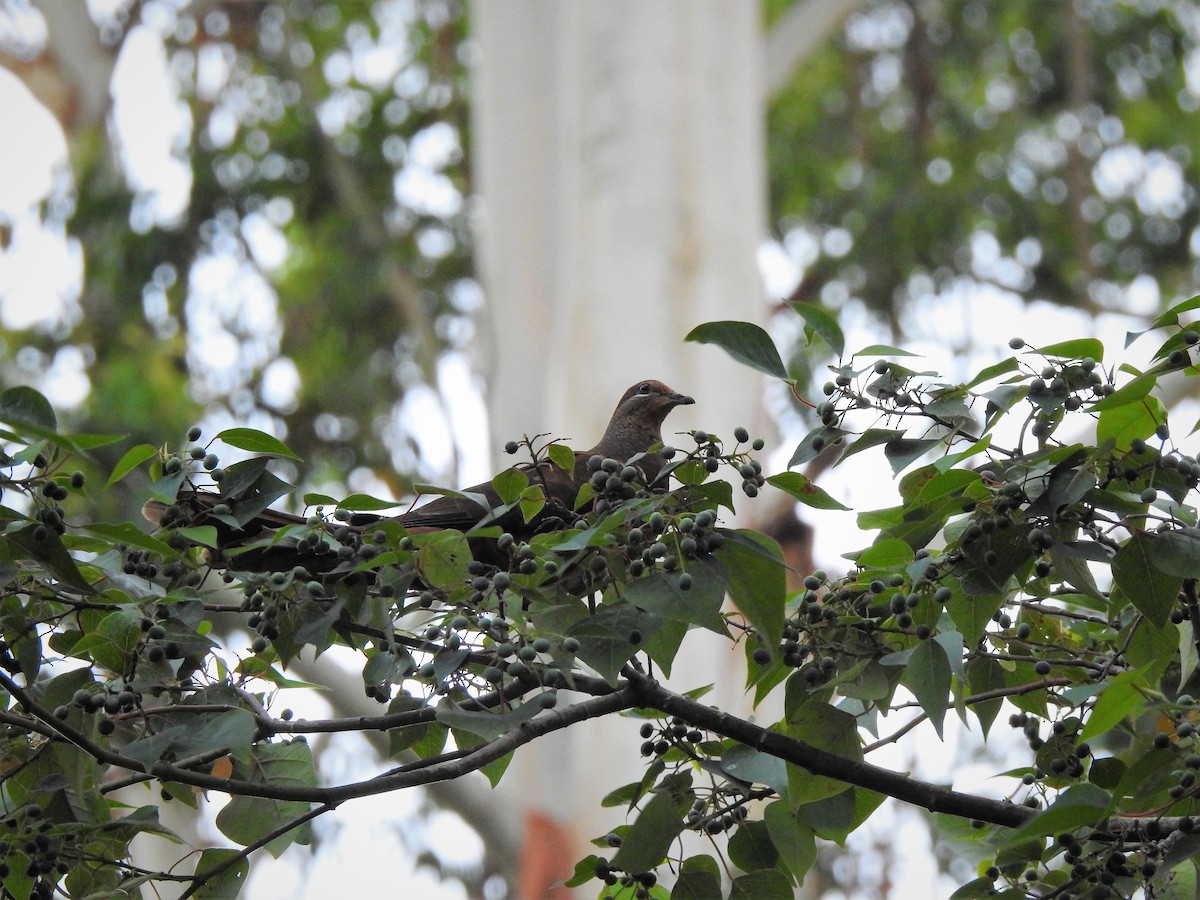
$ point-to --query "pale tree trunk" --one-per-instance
(619, 152)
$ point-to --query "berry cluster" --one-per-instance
(39, 849)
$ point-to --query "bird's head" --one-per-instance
(649, 402)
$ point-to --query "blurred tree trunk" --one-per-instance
(619, 155)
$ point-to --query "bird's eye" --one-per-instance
(645, 388)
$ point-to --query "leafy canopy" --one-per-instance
(1049, 578)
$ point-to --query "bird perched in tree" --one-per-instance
(633, 432)
(635, 427)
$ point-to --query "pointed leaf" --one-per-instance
(131, 535)
(652, 833)
(794, 841)
(699, 879)
(1124, 424)
(133, 458)
(820, 321)
(872, 437)
(755, 570)
(1138, 577)
(1178, 552)
(803, 489)
(364, 503)
(1080, 348)
(256, 442)
(226, 884)
(487, 724)
(509, 484)
(747, 343)
(903, 452)
(1128, 393)
(562, 456)
(763, 884)
(25, 406)
(927, 675)
(659, 593)
(1119, 699)
(245, 819)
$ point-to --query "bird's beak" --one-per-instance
(681, 400)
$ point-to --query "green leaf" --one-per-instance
(754, 767)
(884, 553)
(562, 456)
(1119, 699)
(764, 884)
(442, 558)
(1178, 552)
(834, 818)
(950, 460)
(985, 674)
(1135, 390)
(1082, 804)
(927, 675)
(794, 841)
(903, 452)
(133, 458)
(1124, 424)
(1151, 648)
(660, 594)
(1189, 660)
(256, 442)
(166, 488)
(756, 576)
(821, 725)
(883, 350)
(245, 819)
(977, 889)
(747, 343)
(228, 883)
(364, 503)
(204, 535)
(47, 548)
(252, 487)
(606, 640)
(113, 641)
(814, 443)
(699, 879)
(872, 437)
(652, 833)
(487, 724)
(1181, 882)
(1080, 348)
(800, 487)
(750, 847)
(1138, 577)
(1171, 316)
(531, 501)
(820, 321)
(509, 484)
(993, 371)
(131, 535)
(25, 406)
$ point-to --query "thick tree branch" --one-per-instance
(822, 762)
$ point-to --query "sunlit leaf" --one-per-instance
(800, 487)
(256, 442)
(133, 458)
